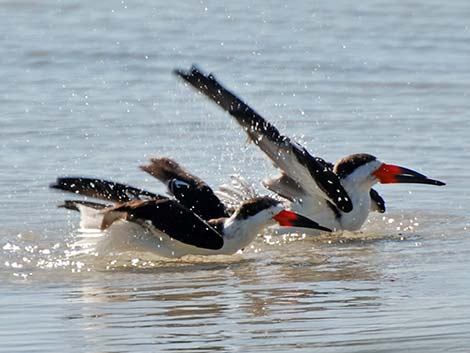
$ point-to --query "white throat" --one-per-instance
(358, 185)
(239, 233)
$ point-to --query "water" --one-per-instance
(87, 89)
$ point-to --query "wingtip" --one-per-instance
(55, 184)
(193, 70)
(179, 72)
(62, 183)
(144, 168)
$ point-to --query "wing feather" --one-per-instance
(188, 189)
(172, 218)
(102, 189)
(294, 160)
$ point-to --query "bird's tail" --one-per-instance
(91, 215)
(89, 235)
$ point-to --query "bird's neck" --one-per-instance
(238, 233)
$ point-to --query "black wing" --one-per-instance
(103, 189)
(73, 205)
(188, 189)
(175, 220)
(377, 202)
(294, 160)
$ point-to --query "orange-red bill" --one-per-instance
(291, 219)
(389, 174)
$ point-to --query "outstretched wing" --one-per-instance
(103, 189)
(189, 190)
(295, 161)
(171, 218)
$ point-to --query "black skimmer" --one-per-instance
(195, 222)
(339, 196)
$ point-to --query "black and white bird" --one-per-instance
(194, 222)
(339, 196)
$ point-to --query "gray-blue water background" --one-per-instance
(86, 89)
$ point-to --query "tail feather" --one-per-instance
(91, 215)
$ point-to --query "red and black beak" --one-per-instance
(389, 173)
(290, 219)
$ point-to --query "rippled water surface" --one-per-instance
(86, 89)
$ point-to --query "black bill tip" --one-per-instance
(287, 218)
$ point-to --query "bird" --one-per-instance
(193, 221)
(338, 196)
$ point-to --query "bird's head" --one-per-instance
(366, 170)
(264, 210)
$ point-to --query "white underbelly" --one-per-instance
(321, 213)
(124, 236)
